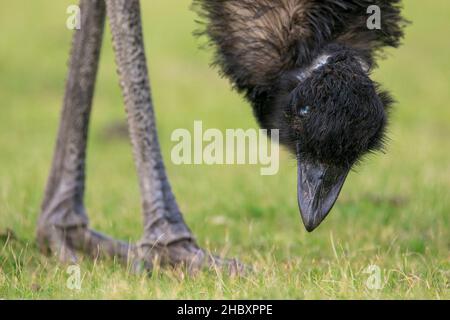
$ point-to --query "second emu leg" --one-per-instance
(166, 237)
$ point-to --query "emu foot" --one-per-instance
(186, 253)
(65, 242)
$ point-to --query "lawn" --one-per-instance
(393, 212)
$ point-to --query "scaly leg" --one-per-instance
(166, 237)
(62, 225)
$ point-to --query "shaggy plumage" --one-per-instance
(263, 45)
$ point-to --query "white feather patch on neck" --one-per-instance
(321, 61)
(316, 64)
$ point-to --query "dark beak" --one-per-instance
(319, 185)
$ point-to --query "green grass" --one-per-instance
(393, 211)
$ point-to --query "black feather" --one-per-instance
(262, 46)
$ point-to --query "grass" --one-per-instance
(393, 211)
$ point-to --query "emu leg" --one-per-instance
(62, 225)
(166, 237)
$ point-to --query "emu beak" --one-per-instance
(318, 187)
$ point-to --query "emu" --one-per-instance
(303, 65)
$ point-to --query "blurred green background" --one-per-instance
(393, 211)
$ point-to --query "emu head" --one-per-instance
(330, 115)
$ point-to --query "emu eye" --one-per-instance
(304, 111)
